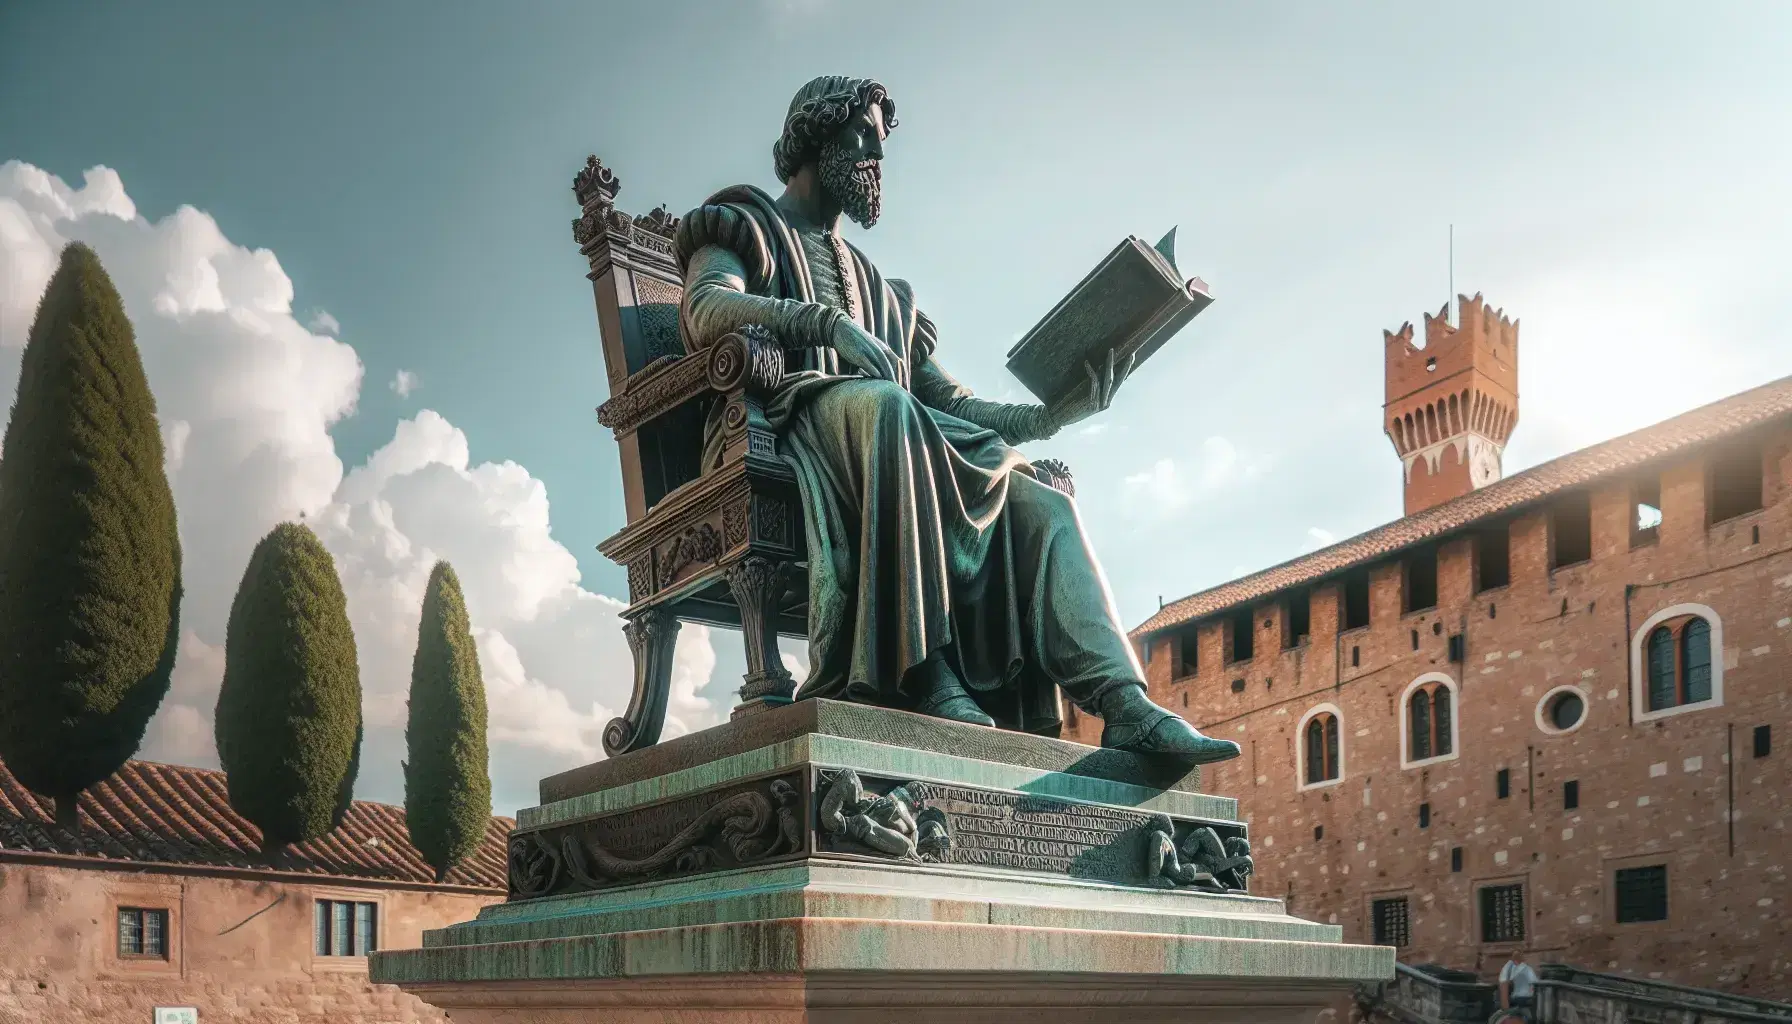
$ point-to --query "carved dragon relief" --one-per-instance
(741, 829)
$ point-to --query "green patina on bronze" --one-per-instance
(946, 573)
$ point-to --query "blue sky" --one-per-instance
(1615, 173)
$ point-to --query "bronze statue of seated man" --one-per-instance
(945, 576)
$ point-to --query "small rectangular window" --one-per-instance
(1392, 924)
(1455, 858)
(1763, 740)
(1318, 833)
(1733, 482)
(1570, 794)
(1502, 913)
(1354, 609)
(1425, 815)
(1642, 894)
(345, 928)
(1420, 568)
(1240, 636)
(1185, 647)
(1645, 512)
(1297, 614)
(1493, 557)
(142, 933)
(1503, 783)
(1570, 530)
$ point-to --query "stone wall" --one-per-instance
(1684, 791)
(240, 946)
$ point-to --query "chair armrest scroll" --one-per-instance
(750, 359)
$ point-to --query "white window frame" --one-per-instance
(1639, 680)
(1301, 784)
(1406, 720)
(1548, 728)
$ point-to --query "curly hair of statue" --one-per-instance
(819, 110)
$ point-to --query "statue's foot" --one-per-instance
(943, 696)
(1135, 724)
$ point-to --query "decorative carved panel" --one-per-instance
(725, 828)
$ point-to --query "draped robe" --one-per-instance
(926, 530)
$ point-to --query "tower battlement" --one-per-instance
(1485, 340)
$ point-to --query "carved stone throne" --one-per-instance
(724, 547)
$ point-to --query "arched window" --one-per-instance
(1662, 685)
(1322, 748)
(1679, 660)
(1420, 729)
(1430, 719)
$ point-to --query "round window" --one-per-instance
(1564, 710)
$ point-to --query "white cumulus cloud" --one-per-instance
(403, 383)
(247, 395)
(323, 323)
(1169, 486)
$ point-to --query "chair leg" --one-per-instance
(652, 638)
(758, 583)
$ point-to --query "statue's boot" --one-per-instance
(940, 693)
(1135, 724)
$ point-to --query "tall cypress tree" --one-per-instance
(447, 784)
(289, 712)
(89, 552)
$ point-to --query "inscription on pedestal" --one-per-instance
(1038, 835)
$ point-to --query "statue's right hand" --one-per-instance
(864, 350)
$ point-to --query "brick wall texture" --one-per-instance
(1684, 791)
(240, 949)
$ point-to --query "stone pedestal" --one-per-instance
(827, 862)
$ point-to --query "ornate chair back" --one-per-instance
(636, 281)
(722, 547)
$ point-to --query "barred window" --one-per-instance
(1642, 894)
(1502, 913)
(1392, 925)
(344, 928)
(142, 933)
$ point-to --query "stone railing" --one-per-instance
(1428, 994)
(1568, 995)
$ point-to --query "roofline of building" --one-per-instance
(1170, 620)
(92, 863)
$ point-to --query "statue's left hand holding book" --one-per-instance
(1129, 305)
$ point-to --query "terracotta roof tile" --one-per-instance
(173, 814)
(1720, 419)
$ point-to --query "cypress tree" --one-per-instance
(89, 551)
(289, 711)
(447, 785)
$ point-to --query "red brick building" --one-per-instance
(164, 900)
(1547, 711)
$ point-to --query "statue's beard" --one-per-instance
(857, 185)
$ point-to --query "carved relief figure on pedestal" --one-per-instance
(895, 824)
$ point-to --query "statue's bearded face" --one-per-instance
(850, 169)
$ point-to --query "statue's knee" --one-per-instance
(882, 403)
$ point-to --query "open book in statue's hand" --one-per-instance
(1122, 312)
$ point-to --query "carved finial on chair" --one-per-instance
(659, 222)
(595, 183)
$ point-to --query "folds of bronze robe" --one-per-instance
(926, 529)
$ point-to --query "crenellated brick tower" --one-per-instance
(1452, 403)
